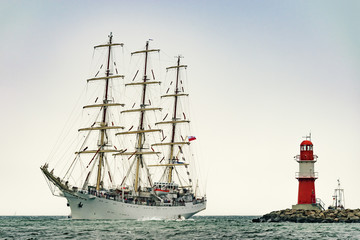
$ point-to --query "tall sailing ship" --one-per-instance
(134, 160)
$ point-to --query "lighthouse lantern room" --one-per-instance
(306, 176)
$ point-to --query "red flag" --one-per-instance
(191, 138)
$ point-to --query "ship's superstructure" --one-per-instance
(134, 160)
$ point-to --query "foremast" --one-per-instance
(101, 148)
(104, 124)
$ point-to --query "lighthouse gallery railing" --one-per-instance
(306, 175)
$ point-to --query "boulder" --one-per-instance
(312, 216)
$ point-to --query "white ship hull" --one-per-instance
(85, 206)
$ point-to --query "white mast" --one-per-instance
(339, 197)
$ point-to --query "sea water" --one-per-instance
(198, 227)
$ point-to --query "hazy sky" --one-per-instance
(263, 74)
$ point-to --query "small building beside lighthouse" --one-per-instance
(306, 176)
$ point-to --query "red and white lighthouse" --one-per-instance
(306, 177)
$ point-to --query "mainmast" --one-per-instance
(140, 132)
(140, 135)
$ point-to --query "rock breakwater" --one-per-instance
(312, 216)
